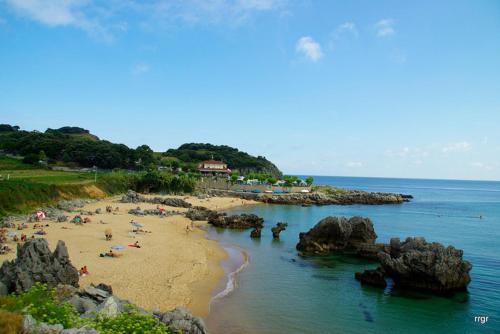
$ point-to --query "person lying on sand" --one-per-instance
(83, 271)
(110, 254)
(5, 249)
(140, 230)
(135, 244)
(86, 220)
(40, 232)
(101, 222)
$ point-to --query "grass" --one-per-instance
(48, 176)
(7, 163)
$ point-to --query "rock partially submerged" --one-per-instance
(338, 197)
(337, 235)
(277, 229)
(256, 232)
(242, 221)
(420, 265)
(133, 197)
(373, 277)
(35, 263)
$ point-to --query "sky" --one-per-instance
(351, 88)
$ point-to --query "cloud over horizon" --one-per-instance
(309, 48)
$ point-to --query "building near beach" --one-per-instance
(213, 168)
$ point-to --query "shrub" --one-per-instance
(128, 322)
(40, 302)
(10, 323)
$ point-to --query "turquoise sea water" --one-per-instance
(279, 292)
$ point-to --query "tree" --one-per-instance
(309, 180)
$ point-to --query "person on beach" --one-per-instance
(135, 244)
(23, 237)
(108, 233)
(83, 271)
(110, 254)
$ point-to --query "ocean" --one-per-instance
(279, 292)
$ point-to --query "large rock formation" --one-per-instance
(343, 197)
(35, 263)
(201, 213)
(337, 235)
(277, 229)
(133, 197)
(420, 265)
(242, 221)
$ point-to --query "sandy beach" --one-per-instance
(172, 268)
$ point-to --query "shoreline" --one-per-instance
(172, 268)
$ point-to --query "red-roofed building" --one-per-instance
(213, 168)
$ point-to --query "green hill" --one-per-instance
(236, 160)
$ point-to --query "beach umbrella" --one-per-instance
(136, 224)
(117, 247)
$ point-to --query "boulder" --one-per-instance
(242, 221)
(35, 263)
(110, 307)
(337, 235)
(201, 213)
(180, 320)
(277, 229)
(133, 197)
(256, 232)
(420, 265)
(374, 277)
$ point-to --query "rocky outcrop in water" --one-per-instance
(133, 197)
(337, 235)
(256, 233)
(343, 197)
(277, 229)
(242, 221)
(35, 263)
(420, 265)
(414, 263)
(373, 277)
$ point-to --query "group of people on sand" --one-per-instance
(78, 220)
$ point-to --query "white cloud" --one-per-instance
(354, 164)
(105, 18)
(457, 147)
(481, 165)
(385, 28)
(140, 68)
(310, 48)
(346, 27)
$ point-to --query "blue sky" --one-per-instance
(361, 88)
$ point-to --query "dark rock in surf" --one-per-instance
(373, 277)
(337, 235)
(256, 232)
(420, 265)
(242, 221)
(277, 229)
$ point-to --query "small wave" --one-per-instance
(231, 279)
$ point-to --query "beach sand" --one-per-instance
(172, 268)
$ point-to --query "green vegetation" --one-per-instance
(309, 180)
(73, 146)
(42, 304)
(130, 321)
(191, 154)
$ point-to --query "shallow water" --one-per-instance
(279, 292)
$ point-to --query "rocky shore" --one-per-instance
(412, 264)
(35, 263)
(341, 197)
